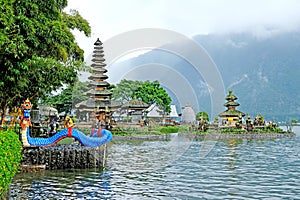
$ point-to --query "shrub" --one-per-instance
(10, 157)
(169, 129)
(183, 129)
(233, 130)
(118, 131)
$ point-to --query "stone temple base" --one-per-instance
(71, 156)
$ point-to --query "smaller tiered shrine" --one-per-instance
(232, 116)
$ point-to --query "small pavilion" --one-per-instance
(135, 109)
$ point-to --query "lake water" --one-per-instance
(179, 168)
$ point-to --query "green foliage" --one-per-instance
(10, 157)
(151, 92)
(169, 129)
(38, 50)
(118, 131)
(294, 121)
(290, 126)
(202, 115)
(184, 129)
(127, 119)
(72, 95)
(146, 91)
(124, 91)
(66, 140)
(75, 21)
(124, 131)
(233, 130)
(155, 130)
(268, 129)
(132, 131)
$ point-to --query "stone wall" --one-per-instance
(64, 157)
(237, 136)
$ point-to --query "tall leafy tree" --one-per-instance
(38, 50)
(125, 90)
(68, 97)
(150, 92)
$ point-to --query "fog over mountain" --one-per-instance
(263, 72)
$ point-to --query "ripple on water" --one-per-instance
(176, 169)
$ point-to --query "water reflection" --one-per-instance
(232, 155)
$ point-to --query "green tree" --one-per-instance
(147, 91)
(38, 50)
(68, 97)
(150, 92)
(292, 124)
(203, 115)
(125, 90)
(294, 121)
(11, 156)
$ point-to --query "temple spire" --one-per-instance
(98, 104)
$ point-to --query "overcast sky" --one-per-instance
(109, 18)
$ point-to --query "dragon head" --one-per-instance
(26, 105)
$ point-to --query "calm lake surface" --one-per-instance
(179, 168)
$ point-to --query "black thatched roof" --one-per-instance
(231, 96)
(115, 104)
(46, 110)
(231, 103)
(92, 103)
(135, 103)
(98, 59)
(98, 42)
(99, 84)
(98, 54)
(98, 77)
(99, 70)
(98, 65)
(231, 113)
(97, 51)
(94, 92)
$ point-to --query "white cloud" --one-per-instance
(112, 17)
(236, 44)
(261, 77)
(243, 78)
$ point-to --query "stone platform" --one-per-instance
(69, 156)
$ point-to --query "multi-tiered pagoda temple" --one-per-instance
(97, 107)
(231, 116)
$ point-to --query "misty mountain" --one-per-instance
(262, 72)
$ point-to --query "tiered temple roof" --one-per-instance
(135, 104)
(98, 102)
(231, 107)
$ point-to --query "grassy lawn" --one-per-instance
(66, 141)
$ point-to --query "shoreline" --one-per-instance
(206, 136)
(141, 137)
(240, 136)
